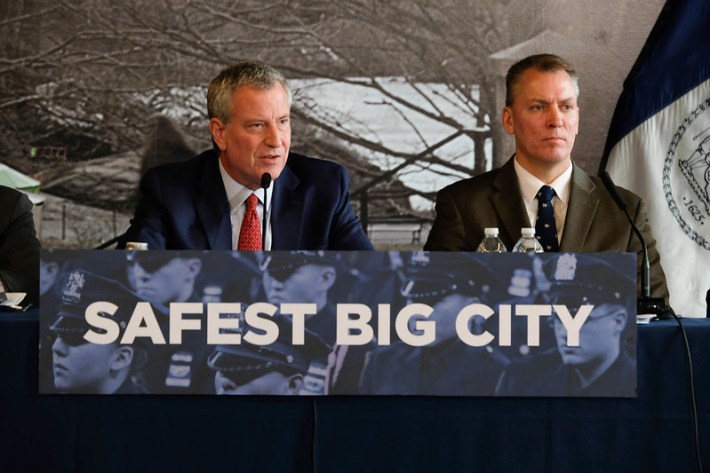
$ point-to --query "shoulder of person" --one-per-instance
(397, 354)
(14, 200)
(184, 170)
(299, 162)
(8, 193)
(180, 166)
(631, 198)
(302, 161)
(476, 184)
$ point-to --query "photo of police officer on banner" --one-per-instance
(331, 323)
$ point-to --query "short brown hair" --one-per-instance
(540, 62)
(252, 74)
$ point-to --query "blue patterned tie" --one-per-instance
(545, 228)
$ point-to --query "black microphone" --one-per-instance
(645, 304)
(265, 183)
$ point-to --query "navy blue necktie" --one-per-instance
(545, 229)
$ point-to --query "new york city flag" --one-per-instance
(659, 146)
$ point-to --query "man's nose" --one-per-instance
(59, 347)
(554, 117)
(273, 137)
(274, 283)
(223, 384)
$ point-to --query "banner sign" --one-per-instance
(338, 322)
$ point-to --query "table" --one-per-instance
(651, 433)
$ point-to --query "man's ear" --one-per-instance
(295, 383)
(328, 277)
(620, 318)
(218, 132)
(506, 118)
(194, 266)
(123, 357)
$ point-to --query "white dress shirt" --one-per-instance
(237, 195)
(529, 187)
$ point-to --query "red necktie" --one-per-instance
(250, 232)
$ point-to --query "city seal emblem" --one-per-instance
(686, 175)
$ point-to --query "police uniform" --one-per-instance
(523, 282)
(549, 376)
(340, 372)
(282, 265)
(578, 279)
(244, 362)
(177, 369)
(180, 369)
(450, 367)
(83, 288)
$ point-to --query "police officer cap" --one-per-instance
(578, 279)
(151, 261)
(282, 264)
(431, 275)
(83, 288)
(282, 355)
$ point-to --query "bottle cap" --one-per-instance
(490, 231)
(527, 232)
(136, 245)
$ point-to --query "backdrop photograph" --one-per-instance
(407, 95)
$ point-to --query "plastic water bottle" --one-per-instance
(527, 243)
(491, 243)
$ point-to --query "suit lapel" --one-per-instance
(508, 203)
(212, 207)
(581, 208)
(287, 212)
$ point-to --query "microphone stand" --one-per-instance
(265, 183)
(644, 304)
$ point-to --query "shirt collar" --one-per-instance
(237, 193)
(530, 185)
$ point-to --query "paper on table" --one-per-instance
(13, 300)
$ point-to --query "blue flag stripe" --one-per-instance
(674, 60)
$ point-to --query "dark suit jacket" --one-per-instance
(184, 206)
(593, 224)
(19, 247)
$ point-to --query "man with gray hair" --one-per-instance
(216, 200)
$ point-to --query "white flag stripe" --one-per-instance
(648, 161)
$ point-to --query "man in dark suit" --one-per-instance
(541, 112)
(19, 246)
(201, 203)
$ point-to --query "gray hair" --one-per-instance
(252, 74)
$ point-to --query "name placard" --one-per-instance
(338, 322)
